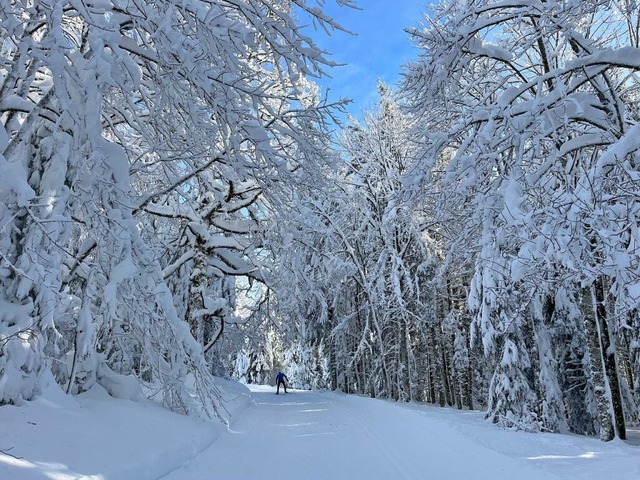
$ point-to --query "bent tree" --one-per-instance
(132, 131)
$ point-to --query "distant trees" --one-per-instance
(361, 261)
(141, 145)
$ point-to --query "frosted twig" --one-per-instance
(6, 452)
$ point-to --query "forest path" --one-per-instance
(327, 436)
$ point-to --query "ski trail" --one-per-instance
(300, 435)
(322, 435)
(385, 448)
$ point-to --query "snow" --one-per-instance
(13, 183)
(95, 436)
(303, 434)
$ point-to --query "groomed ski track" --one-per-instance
(328, 436)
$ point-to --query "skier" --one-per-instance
(281, 379)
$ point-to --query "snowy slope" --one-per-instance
(94, 436)
(301, 435)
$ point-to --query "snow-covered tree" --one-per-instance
(530, 101)
(351, 273)
(140, 139)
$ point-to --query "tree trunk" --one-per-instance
(607, 431)
(608, 353)
(447, 384)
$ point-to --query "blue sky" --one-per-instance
(378, 50)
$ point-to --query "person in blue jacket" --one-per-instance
(281, 379)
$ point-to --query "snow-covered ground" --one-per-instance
(96, 437)
(300, 435)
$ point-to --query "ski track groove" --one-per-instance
(385, 447)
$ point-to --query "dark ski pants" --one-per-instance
(283, 384)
